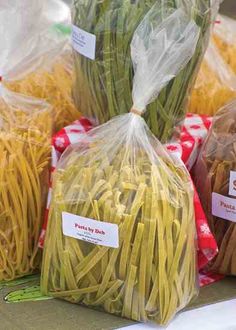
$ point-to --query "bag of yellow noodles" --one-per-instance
(25, 130)
(121, 232)
(225, 38)
(45, 51)
(215, 178)
(215, 85)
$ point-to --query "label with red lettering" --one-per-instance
(92, 231)
(224, 207)
(232, 183)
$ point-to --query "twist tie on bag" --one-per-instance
(136, 112)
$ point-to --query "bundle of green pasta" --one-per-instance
(121, 232)
(215, 178)
(103, 68)
(25, 129)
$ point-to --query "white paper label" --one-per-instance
(224, 207)
(92, 231)
(232, 183)
(83, 42)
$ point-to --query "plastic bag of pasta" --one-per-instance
(38, 54)
(215, 85)
(225, 38)
(25, 134)
(215, 178)
(102, 33)
(121, 232)
(25, 130)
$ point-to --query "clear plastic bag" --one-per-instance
(103, 87)
(140, 261)
(25, 131)
(215, 85)
(215, 182)
(36, 54)
(225, 38)
(25, 135)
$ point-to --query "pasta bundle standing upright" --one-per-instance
(216, 186)
(121, 232)
(104, 76)
(25, 131)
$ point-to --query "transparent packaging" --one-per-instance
(214, 179)
(120, 175)
(25, 131)
(25, 136)
(38, 51)
(103, 87)
(225, 38)
(215, 85)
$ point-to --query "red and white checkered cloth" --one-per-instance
(194, 132)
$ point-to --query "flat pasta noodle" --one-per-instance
(24, 171)
(210, 93)
(217, 160)
(152, 273)
(53, 85)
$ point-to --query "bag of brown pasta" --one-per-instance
(215, 178)
(215, 85)
(25, 130)
(121, 232)
(225, 38)
(39, 53)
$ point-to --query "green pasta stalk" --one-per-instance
(103, 87)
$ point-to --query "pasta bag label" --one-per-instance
(84, 42)
(232, 183)
(224, 207)
(92, 231)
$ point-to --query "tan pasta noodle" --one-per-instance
(215, 164)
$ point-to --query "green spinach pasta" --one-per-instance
(121, 232)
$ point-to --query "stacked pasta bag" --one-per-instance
(25, 131)
(121, 231)
(47, 69)
(215, 176)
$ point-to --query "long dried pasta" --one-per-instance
(213, 174)
(25, 154)
(121, 174)
(215, 85)
(152, 273)
(55, 86)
